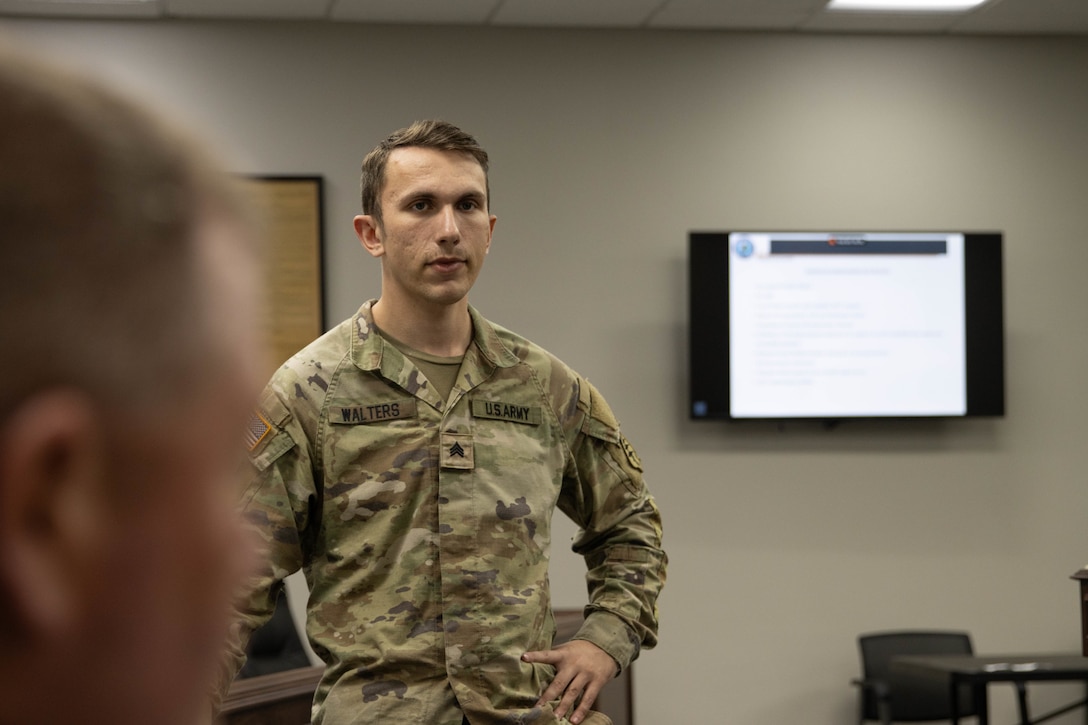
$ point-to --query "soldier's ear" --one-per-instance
(52, 511)
(490, 232)
(369, 230)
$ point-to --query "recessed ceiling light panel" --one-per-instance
(905, 6)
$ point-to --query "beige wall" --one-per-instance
(608, 147)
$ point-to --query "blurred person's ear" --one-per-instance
(53, 511)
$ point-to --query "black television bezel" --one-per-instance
(708, 327)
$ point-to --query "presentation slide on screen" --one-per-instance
(830, 325)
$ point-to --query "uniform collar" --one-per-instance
(370, 352)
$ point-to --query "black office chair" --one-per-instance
(890, 696)
(276, 646)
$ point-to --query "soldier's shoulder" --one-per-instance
(534, 355)
(323, 355)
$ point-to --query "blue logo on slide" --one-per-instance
(743, 247)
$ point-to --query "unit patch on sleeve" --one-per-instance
(497, 410)
(376, 413)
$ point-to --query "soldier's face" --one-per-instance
(436, 228)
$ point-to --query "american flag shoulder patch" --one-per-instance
(257, 430)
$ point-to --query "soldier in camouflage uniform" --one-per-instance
(409, 462)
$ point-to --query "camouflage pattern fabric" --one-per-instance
(423, 525)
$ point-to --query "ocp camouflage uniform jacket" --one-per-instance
(423, 525)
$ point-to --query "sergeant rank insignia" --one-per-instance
(456, 452)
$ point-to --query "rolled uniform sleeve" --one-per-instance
(620, 535)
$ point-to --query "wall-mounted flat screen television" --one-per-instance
(837, 325)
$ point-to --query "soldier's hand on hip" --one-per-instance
(581, 670)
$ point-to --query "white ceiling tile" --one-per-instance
(588, 13)
(737, 14)
(83, 8)
(267, 9)
(859, 22)
(467, 12)
(1012, 17)
(1027, 16)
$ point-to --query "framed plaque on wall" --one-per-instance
(291, 210)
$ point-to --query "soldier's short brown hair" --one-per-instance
(433, 134)
(99, 204)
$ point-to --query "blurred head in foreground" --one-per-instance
(127, 370)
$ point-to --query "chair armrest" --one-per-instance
(880, 693)
(878, 688)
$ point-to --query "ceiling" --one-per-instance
(1007, 17)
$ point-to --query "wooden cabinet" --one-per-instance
(1082, 577)
(281, 698)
